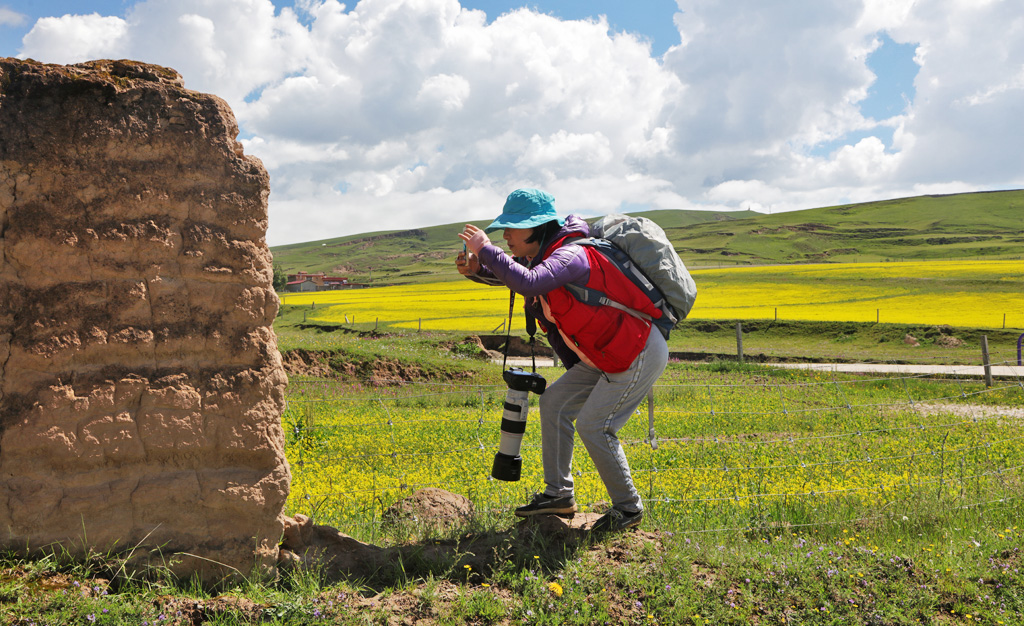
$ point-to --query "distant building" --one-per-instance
(319, 281)
(305, 284)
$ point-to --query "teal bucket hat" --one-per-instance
(526, 208)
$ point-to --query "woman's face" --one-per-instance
(516, 240)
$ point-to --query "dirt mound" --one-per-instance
(306, 363)
(949, 341)
(473, 346)
(431, 508)
(517, 346)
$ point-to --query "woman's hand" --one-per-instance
(467, 264)
(474, 238)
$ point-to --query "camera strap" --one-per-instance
(508, 328)
(531, 329)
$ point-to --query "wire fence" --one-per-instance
(768, 449)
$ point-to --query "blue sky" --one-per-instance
(390, 113)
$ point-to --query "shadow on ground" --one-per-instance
(545, 541)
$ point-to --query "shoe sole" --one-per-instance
(620, 528)
(565, 512)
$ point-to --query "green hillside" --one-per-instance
(970, 225)
(925, 227)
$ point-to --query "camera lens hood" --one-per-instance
(507, 468)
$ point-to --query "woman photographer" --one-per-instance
(612, 357)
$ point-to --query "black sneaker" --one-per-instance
(616, 519)
(543, 504)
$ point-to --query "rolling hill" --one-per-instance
(972, 225)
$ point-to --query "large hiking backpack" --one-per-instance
(640, 249)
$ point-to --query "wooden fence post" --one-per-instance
(739, 340)
(985, 361)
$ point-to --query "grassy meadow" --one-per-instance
(734, 449)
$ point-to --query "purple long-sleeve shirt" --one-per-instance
(566, 264)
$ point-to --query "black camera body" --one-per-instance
(519, 380)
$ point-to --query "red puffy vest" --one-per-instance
(610, 338)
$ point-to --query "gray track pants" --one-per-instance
(599, 404)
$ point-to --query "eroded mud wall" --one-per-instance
(140, 383)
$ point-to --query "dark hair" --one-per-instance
(544, 233)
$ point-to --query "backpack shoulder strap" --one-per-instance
(624, 264)
(595, 297)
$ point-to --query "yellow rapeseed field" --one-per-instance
(981, 294)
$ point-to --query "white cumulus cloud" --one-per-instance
(76, 38)
(448, 92)
(388, 114)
